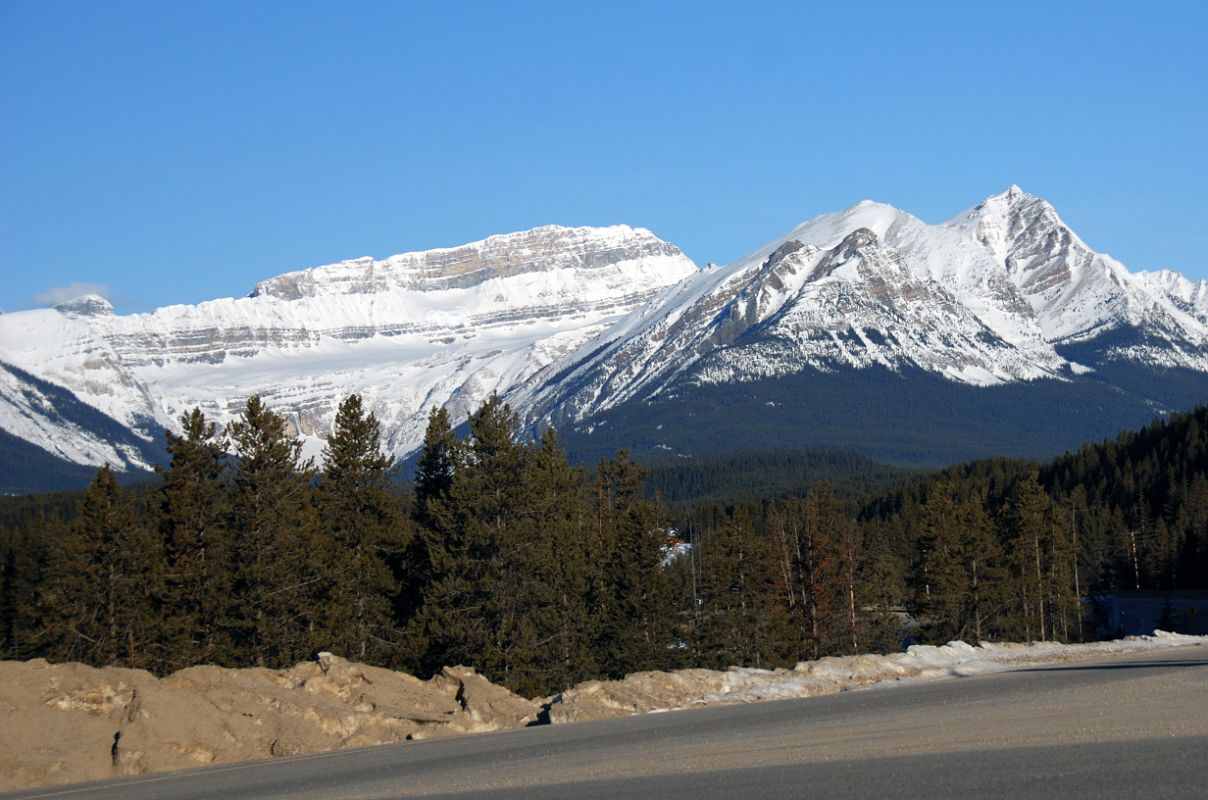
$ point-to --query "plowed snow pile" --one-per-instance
(645, 692)
(62, 723)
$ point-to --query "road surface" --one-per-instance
(1117, 727)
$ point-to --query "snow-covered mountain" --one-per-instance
(442, 327)
(573, 324)
(993, 296)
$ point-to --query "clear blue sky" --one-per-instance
(175, 152)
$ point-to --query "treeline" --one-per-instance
(1133, 508)
(845, 583)
(997, 549)
(767, 474)
(503, 556)
(238, 557)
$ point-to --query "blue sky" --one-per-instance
(176, 152)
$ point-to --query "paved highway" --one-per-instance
(1120, 727)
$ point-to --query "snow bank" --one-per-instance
(648, 692)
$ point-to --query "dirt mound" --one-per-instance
(63, 723)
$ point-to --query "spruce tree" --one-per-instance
(941, 583)
(808, 538)
(743, 620)
(101, 588)
(960, 581)
(632, 599)
(193, 511)
(361, 517)
(467, 617)
(436, 465)
(1029, 520)
(555, 575)
(33, 560)
(279, 583)
(426, 552)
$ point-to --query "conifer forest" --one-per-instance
(505, 556)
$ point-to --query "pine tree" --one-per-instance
(959, 581)
(632, 598)
(881, 589)
(743, 620)
(556, 574)
(1034, 555)
(102, 584)
(361, 516)
(427, 551)
(32, 561)
(278, 582)
(470, 548)
(941, 585)
(808, 535)
(436, 465)
(193, 509)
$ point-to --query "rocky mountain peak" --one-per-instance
(573, 322)
(857, 240)
(89, 305)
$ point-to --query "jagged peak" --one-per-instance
(1006, 201)
(992, 220)
(860, 237)
(782, 252)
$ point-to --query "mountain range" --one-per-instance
(998, 332)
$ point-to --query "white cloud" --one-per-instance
(61, 294)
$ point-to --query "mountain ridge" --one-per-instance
(571, 323)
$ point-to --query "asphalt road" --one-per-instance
(1120, 727)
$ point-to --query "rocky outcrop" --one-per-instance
(63, 723)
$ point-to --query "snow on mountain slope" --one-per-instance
(989, 297)
(443, 327)
(1190, 297)
(570, 322)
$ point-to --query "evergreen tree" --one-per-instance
(466, 619)
(557, 574)
(278, 580)
(102, 583)
(807, 534)
(361, 516)
(881, 589)
(743, 621)
(633, 598)
(34, 552)
(960, 578)
(1039, 562)
(193, 510)
(427, 553)
(436, 465)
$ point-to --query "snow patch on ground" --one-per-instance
(647, 692)
(922, 662)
